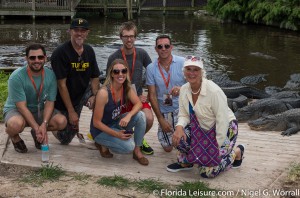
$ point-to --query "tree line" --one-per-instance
(282, 13)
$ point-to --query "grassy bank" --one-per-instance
(3, 92)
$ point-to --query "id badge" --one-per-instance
(167, 100)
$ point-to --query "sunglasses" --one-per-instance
(117, 71)
(165, 46)
(40, 57)
(193, 58)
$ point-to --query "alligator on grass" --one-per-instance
(265, 107)
(288, 122)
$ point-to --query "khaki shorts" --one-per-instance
(15, 112)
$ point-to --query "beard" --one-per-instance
(35, 69)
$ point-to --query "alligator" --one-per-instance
(265, 107)
(249, 92)
(286, 94)
(253, 79)
(287, 121)
(235, 103)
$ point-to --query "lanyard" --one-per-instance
(133, 61)
(114, 97)
(38, 93)
(163, 76)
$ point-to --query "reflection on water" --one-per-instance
(234, 49)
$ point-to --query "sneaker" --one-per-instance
(176, 167)
(238, 163)
(90, 137)
(146, 149)
(36, 143)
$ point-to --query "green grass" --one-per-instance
(115, 181)
(82, 177)
(149, 185)
(156, 187)
(3, 92)
(294, 172)
(48, 172)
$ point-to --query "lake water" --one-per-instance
(228, 48)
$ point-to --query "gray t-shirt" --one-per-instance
(141, 62)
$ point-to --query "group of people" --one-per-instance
(191, 110)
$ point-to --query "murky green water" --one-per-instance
(234, 49)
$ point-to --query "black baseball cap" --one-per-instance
(79, 23)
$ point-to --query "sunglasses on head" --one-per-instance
(167, 46)
(40, 57)
(117, 71)
(193, 58)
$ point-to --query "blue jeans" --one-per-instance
(138, 121)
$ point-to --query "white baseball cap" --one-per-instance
(193, 61)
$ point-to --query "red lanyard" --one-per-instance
(133, 61)
(38, 93)
(114, 97)
(162, 74)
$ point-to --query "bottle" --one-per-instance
(45, 153)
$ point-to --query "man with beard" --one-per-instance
(76, 69)
(31, 94)
(137, 60)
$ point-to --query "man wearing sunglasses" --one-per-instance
(137, 59)
(76, 69)
(31, 95)
(164, 78)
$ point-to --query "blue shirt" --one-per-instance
(154, 77)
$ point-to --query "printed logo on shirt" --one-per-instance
(116, 113)
(82, 66)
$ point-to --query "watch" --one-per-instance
(46, 122)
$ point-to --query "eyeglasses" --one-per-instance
(193, 58)
(117, 71)
(33, 58)
(167, 46)
(128, 37)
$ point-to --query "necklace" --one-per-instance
(197, 91)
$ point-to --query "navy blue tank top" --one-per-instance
(111, 114)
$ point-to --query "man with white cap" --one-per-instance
(76, 69)
(213, 126)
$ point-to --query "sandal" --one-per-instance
(238, 163)
(20, 146)
(106, 153)
(36, 142)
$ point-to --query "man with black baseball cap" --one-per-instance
(76, 69)
(79, 23)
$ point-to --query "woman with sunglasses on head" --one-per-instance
(110, 127)
(213, 126)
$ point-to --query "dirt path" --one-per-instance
(267, 158)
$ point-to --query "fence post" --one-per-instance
(105, 6)
(164, 6)
(33, 5)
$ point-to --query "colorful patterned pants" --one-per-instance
(226, 151)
